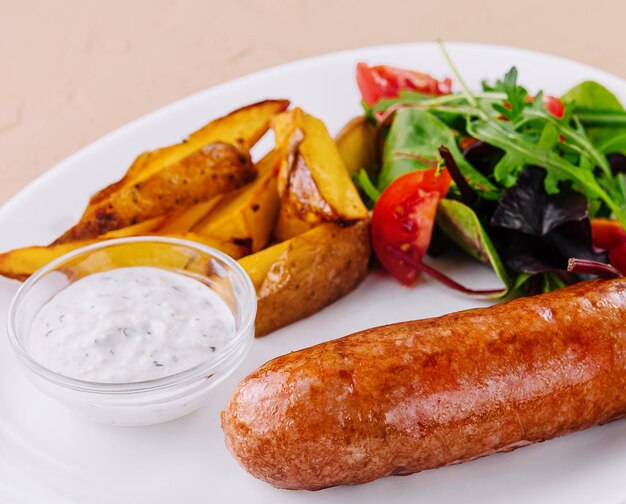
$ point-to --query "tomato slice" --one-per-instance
(607, 233)
(403, 218)
(385, 81)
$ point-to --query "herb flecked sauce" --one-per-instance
(130, 324)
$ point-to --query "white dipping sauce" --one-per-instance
(130, 324)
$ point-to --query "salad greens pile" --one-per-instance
(526, 181)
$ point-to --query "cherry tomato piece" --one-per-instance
(617, 257)
(385, 81)
(554, 106)
(404, 217)
(607, 233)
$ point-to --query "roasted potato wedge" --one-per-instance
(246, 216)
(183, 220)
(357, 146)
(258, 265)
(241, 128)
(214, 169)
(19, 264)
(142, 228)
(307, 272)
(232, 249)
(313, 182)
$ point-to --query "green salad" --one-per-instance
(532, 185)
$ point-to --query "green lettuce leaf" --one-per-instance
(461, 224)
(419, 134)
(592, 96)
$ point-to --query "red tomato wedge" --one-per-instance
(385, 81)
(607, 234)
(403, 218)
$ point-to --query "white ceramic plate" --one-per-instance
(49, 455)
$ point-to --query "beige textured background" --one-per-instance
(73, 70)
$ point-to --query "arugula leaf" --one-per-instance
(508, 168)
(516, 95)
(512, 139)
(558, 169)
(549, 137)
(403, 98)
(412, 144)
(461, 224)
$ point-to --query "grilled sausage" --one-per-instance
(417, 395)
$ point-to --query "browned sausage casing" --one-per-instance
(417, 395)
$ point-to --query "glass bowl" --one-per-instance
(143, 402)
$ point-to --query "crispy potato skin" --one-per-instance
(297, 278)
(246, 216)
(417, 395)
(313, 183)
(214, 169)
(302, 207)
